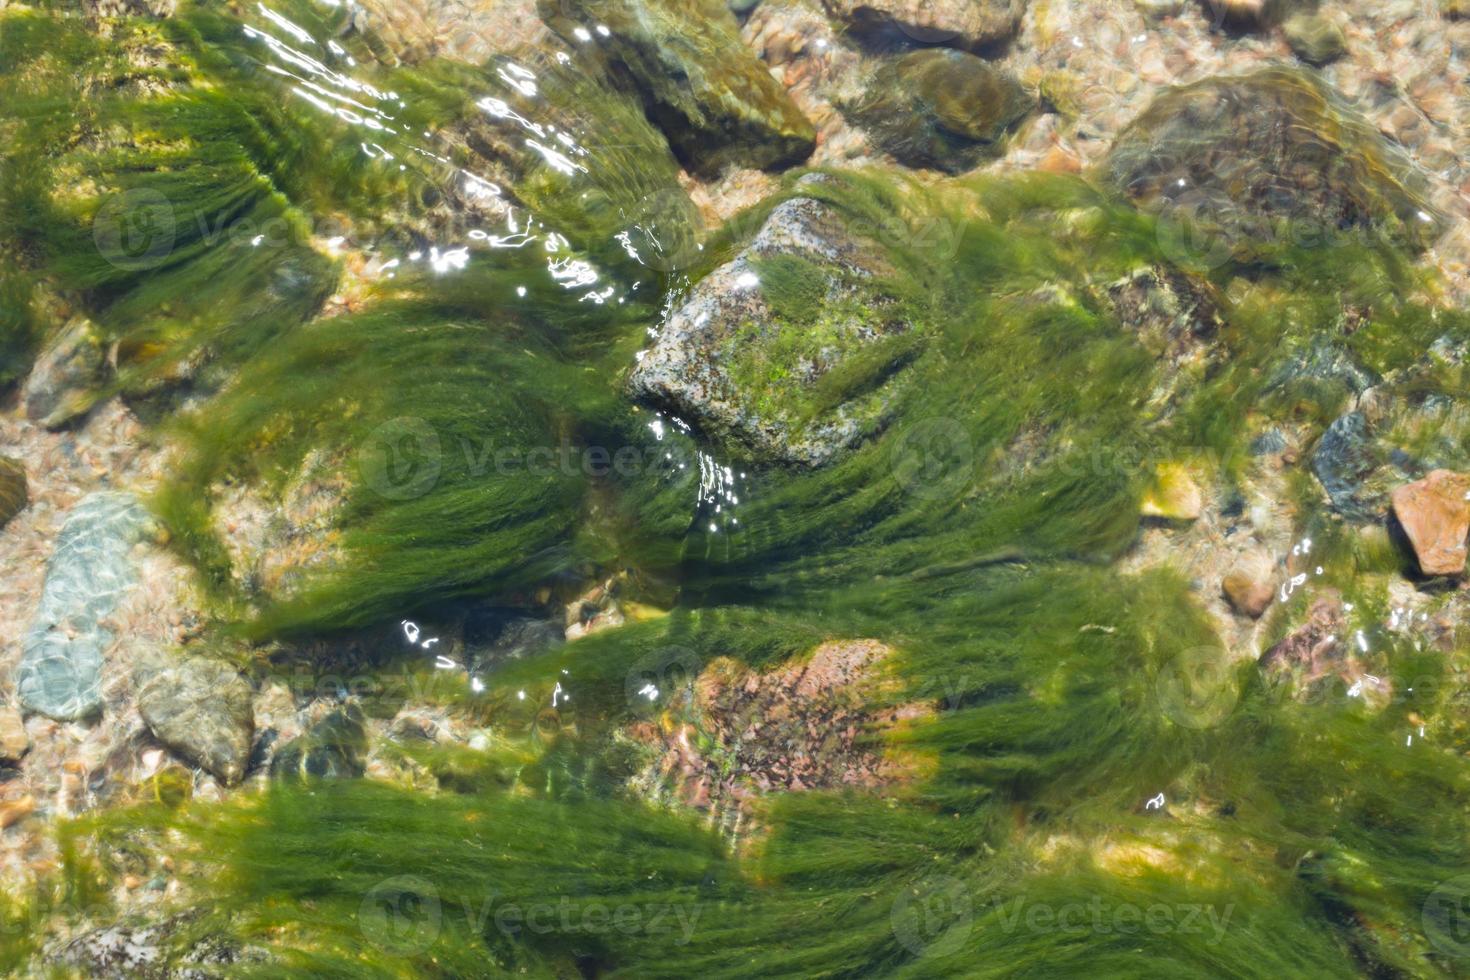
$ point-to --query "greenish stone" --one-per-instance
(714, 99)
(333, 748)
(91, 570)
(941, 109)
(1264, 164)
(791, 351)
(1315, 39)
(13, 493)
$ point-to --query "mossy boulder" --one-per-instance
(13, 492)
(1265, 163)
(965, 24)
(708, 92)
(940, 108)
(333, 748)
(64, 383)
(789, 350)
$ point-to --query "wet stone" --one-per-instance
(1314, 38)
(333, 748)
(941, 109)
(63, 383)
(14, 742)
(1345, 458)
(744, 357)
(1435, 515)
(13, 489)
(90, 571)
(967, 24)
(713, 98)
(200, 709)
(1272, 160)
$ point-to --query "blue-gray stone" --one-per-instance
(91, 570)
(1344, 460)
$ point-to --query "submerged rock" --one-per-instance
(1174, 496)
(60, 672)
(746, 355)
(1314, 38)
(941, 109)
(739, 733)
(201, 709)
(14, 494)
(333, 748)
(714, 99)
(958, 23)
(14, 742)
(1314, 659)
(63, 383)
(1271, 159)
(1346, 460)
(1248, 587)
(1435, 515)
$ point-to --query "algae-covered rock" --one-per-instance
(1271, 159)
(789, 348)
(707, 91)
(958, 23)
(941, 108)
(63, 383)
(60, 672)
(333, 748)
(1314, 38)
(13, 489)
(201, 709)
(1346, 458)
(1246, 15)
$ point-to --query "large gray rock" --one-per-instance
(91, 570)
(201, 709)
(750, 355)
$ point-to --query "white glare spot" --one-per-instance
(582, 34)
(1157, 803)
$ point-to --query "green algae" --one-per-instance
(972, 534)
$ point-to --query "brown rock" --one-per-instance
(13, 738)
(1435, 515)
(1248, 591)
(16, 811)
(13, 493)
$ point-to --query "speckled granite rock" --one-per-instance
(941, 109)
(201, 709)
(13, 493)
(1268, 160)
(744, 355)
(707, 91)
(957, 23)
(89, 572)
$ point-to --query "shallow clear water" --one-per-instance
(929, 563)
